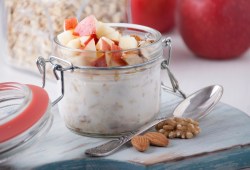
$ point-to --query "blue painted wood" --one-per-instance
(95, 164)
(237, 158)
(225, 128)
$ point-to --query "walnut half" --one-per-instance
(184, 128)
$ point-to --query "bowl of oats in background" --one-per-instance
(29, 27)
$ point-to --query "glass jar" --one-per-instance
(30, 25)
(24, 117)
(109, 101)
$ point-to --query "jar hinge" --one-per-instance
(57, 67)
(165, 66)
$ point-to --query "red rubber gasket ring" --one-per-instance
(29, 116)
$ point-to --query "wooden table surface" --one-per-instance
(223, 143)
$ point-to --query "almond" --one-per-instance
(157, 139)
(140, 143)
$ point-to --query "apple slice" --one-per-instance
(85, 40)
(104, 44)
(132, 58)
(103, 29)
(100, 62)
(70, 23)
(87, 26)
(114, 58)
(90, 46)
(110, 42)
(65, 37)
(75, 43)
(146, 52)
(80, 60)
(127, 42)
(89, 56)
(114, 36)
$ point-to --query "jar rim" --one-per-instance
(18, 92)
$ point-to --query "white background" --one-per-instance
(192, 73)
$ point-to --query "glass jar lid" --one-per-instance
(24, 116)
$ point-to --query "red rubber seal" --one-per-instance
(29, 116)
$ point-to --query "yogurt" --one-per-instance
(110, 103)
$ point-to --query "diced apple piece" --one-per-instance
(104, 44)
(146, 51)
(90, 46)
(110, 42)
(70, 23)
(114, 58)
(115, 36)
(127, 42)
(87, 26)
(65, 37)
(110, 61)
(103, 29)
(85, 40)
(75, 43)
(100, 62)
(90, 55)
(108, 56)
(132, 59)
(80, 60)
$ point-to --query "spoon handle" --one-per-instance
(113, 145)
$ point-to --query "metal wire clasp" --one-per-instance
(57, 67)
(165, 65)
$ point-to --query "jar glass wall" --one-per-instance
(109, 101)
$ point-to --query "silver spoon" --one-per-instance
(195, 106)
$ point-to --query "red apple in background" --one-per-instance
(215, 29)
(158, 14)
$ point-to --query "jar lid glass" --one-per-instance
(24, 116)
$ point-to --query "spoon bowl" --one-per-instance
(200, 103)
(195, 106)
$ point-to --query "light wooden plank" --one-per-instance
(225, 128)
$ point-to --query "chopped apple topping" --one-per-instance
(132, 59)
(101, 44)
(127, 42)
(75, 43)
(65, 37)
